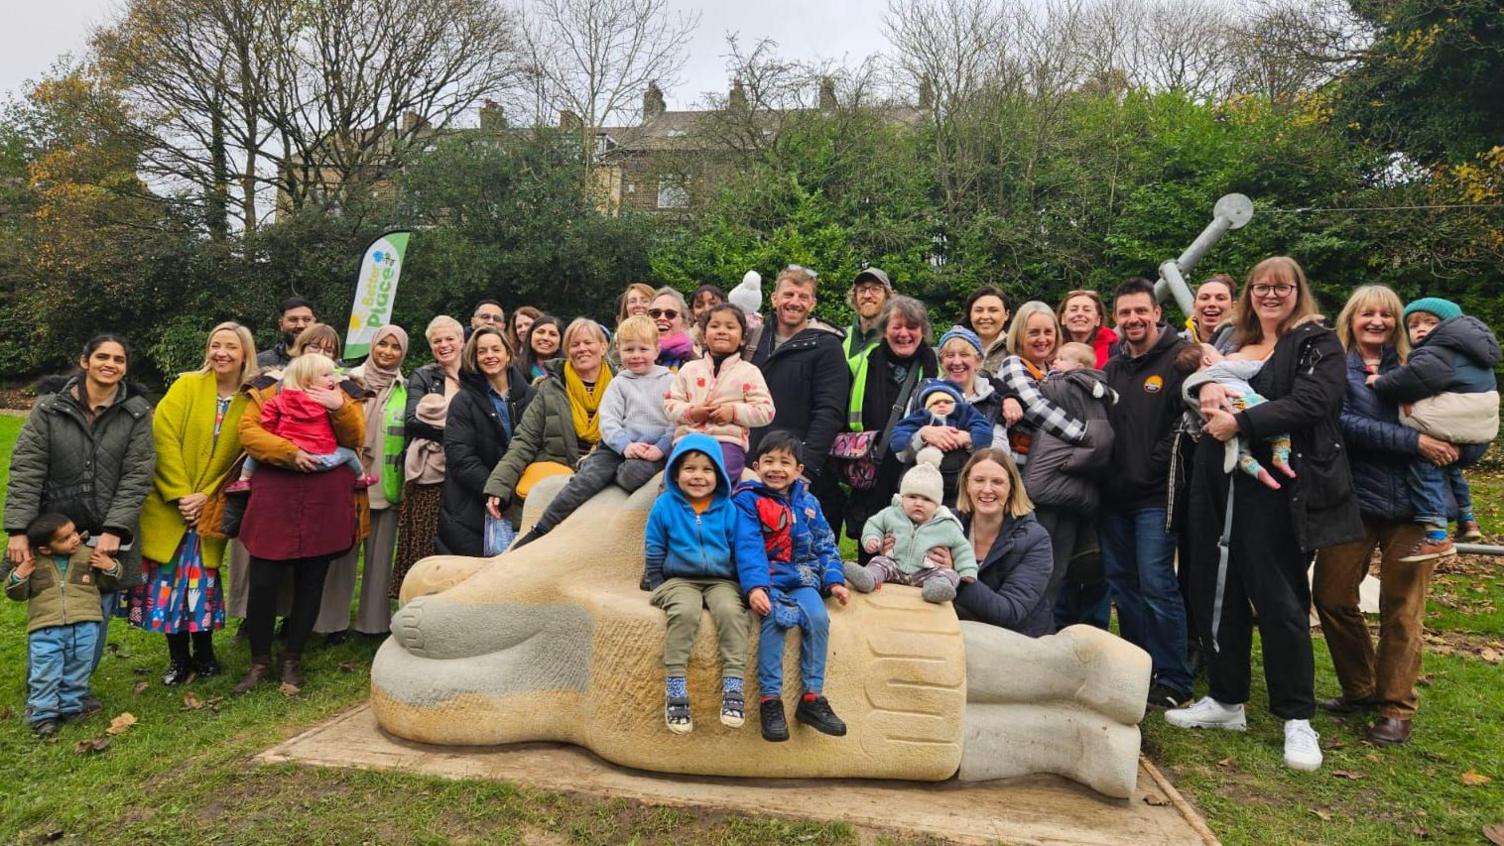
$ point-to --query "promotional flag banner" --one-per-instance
(375, 291)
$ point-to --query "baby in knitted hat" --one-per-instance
(940, 404)
(918, 523)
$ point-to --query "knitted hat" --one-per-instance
(1442, 309)
(964, 334)
(876, 275)
(923, 480)
(748, 295)
(938, 386)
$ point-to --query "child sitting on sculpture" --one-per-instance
(720, 394)
(634, 429)
(917, 523)
(1206, 364)
(298, 417)
(804, 566)
(700, 554)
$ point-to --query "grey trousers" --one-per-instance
(240, 582)
(591, 476)
(374, 615)
(886, 571)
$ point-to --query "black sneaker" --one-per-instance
(91, 705)
(206, 666)
(177, 673)
(774, 727)
(816, 714)
(337, 638)
(45, 728)
(1163, 697)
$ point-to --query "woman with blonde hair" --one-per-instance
(634, 301)
(1033, 340)
(562, 421)
(196, 432)
(430, 390)
(1379, 451)
(1013, 550)
(1250, 545)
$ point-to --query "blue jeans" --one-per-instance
(107, 603)
(1433, 490)
(1138, 556)
(815, 633)
(1083, 604)
(61, 662)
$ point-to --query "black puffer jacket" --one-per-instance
(1009, 590)
(1459, 355)
(428, 379)
(809, 379)
(474, 442)
(1065, 475)
(1378, 447)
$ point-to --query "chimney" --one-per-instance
(410, 122)
(492, 119)
(926, 93)
(569, 121)
(738, 98)
(652, 102)
(827, 94)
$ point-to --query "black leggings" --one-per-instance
(261, 600)
(177, 646)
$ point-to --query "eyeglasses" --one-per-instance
(665, 313)
(1284, 289)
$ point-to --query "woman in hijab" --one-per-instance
(381, 375)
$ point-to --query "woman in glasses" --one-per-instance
(671, 314)
(1251, 544)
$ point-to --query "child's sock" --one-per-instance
(730, 685)
(1466, 517)
(733, 703)
(1436, 533)
(677, 687)
(810, 695)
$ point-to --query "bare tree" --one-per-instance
(1286, 47)
(1184, 46)
(594, 58)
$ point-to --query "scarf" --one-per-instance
(676, 348)
(584, 403)
(379, 381)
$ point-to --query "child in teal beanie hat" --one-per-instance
(1446, 389)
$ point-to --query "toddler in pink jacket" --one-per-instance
(719, 394)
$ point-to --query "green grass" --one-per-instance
(183, 775)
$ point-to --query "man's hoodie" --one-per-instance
(911, 542)
(1143, 423)
(799, 544)
(715, 544)
(632, 410)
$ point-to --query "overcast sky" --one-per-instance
(36, 33)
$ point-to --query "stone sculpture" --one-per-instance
(555, 642)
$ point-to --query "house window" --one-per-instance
(672, 193)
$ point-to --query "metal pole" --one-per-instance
(1232, 211)
(1480, 549)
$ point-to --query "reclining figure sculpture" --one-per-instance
(555, 642)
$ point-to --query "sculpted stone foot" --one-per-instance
(555, 642)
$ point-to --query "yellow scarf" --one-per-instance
(585, 402)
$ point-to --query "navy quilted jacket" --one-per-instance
(1378, 447)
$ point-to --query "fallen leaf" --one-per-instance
(92, 744)
(141, 687)
(1154, 800)
(288, 689)
(1490, 655)
(1347, 774)
(1373, 758)
(122, 722)
(1337, 744)
(347, 666)
(1324, 813)
(1426, 680)
(1227, 762)
(1494, 833)
(6, 713)
(1473, 779)
(1420, 832)
(191, 702)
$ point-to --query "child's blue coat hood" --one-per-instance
(715, 544)
(698, 442)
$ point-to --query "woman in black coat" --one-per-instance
(481, 420)
(1272, 533)
(1012, 547)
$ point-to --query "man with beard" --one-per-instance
(870, 291)
(1138, 551)
(296, 315)
(807, 374)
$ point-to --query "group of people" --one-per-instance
(1034, 468)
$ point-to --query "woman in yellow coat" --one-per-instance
(196, 431)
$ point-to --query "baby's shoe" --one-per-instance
(366, 480)
(239, 486)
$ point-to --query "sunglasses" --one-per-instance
(665, 313)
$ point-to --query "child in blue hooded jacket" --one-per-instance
(701, 555)
(804, 566)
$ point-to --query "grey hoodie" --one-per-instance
(632, 410)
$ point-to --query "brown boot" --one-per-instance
(1389, 731)
(261, 670)
(292, 669)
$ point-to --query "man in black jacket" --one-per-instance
(295, 316)
(1138, 550)
(802, 362)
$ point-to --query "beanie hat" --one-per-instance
(1443, 309)
(939, 386)
(964, 334)
(923, 480)
(876, 275)
(748, 295)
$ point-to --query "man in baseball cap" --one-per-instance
(870, 291)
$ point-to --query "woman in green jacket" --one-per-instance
(86, 451)
(197, 440)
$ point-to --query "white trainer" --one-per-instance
(1302, 747)
(1208, 713)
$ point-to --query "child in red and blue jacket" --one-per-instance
(804, 566)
